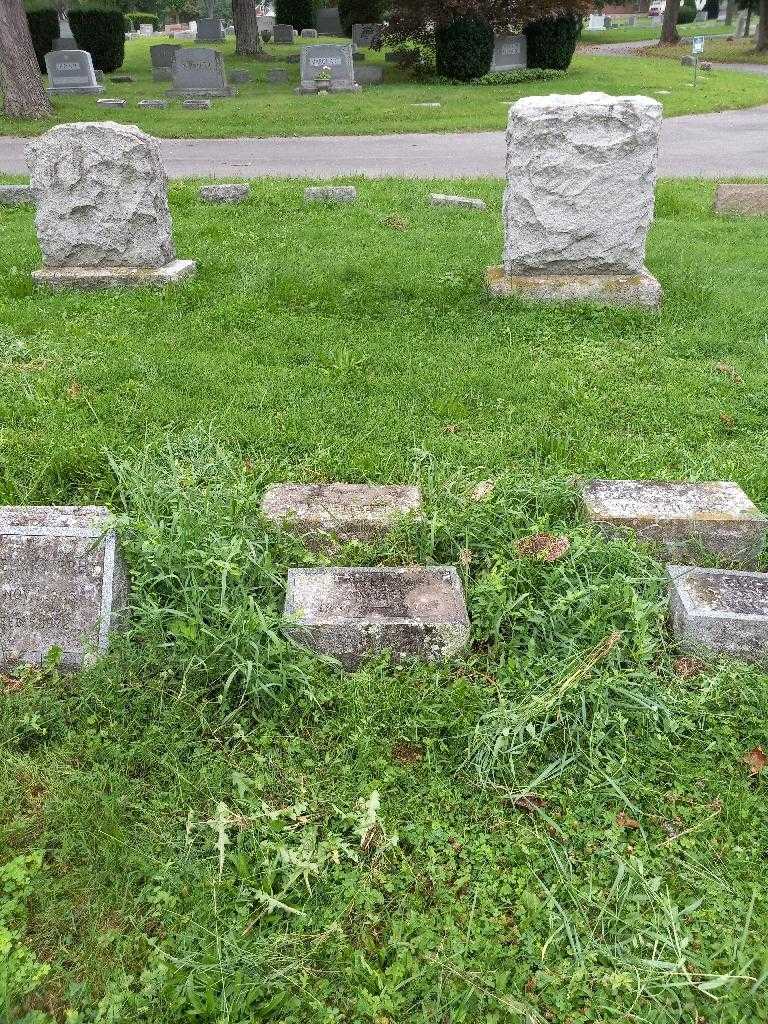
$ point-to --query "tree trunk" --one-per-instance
(761, 43)
(748, 22)
(669, 33)
(730, 10)
(22, 86)
(247, 39)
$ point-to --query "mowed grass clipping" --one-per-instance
(211, 825)
(261, 109)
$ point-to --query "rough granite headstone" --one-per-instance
(70, 72)
(720, 611)
(326, 514)
(102, 209)
(685, 519)
(328, 21)
(330, 194)
(63, 584)
(199, 71)
(510, 52)
(367, 35)
(581, 172)
(161, 57)
(234, 193)
(282, 34)
(327, 66)
(352, 613)
(747, 200)
(16, 195)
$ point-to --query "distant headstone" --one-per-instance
(111, 102)
(509, 53)
(309, 33)
(367, 35)
(278, 76)
(353, 613)
(687, 60)
(655, 21)
(153, 104)
(370, 75)
(63, 588)
(596, 23)
(235, 193)
(199, 71)
(239, 77)
(330, 194)
(683, 519)
(145, 29)
(210, 30)
(71, 71)
(328, 21)
(437, 199)
(746, 200)
(16, 195)
(567, 158)
(293, 58)
(121, 79)
(266, 23)
(327, 66)
(719, 611)
(631, 20)
(102, 221)
(282, 34)
(196, 103)
(161, 57)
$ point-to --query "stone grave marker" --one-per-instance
(161, 57)
(509, 53)
(199, 71)
(328, 21)
(278, 76)
(352, 613)
(121, 79)
(327, 514)
(720, 611)
(234, 193)
(309, 33)
(327, 66)
(153, 104)
(371, 75)
(63, 584)
(239, 77)
(210, 30)
(282, 34)
(16, 195)
(111, 102)
(266, 23)
(596, 23)
(330, 194)
(685, 520)
(747, 200)
(367, 35)
(102, 208)
(146, 28)
(438, 199)
(71, 72)
(196, 103)
(581, 172)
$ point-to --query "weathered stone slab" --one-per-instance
(282, 33)
(368, 34)
(438, 199)
(96, 278)
(16, 195)
(720, 611)
(330, 194)
(196, 103)
(162, 57)
(210, 30)
(278, 76)
(111, 102)
(327, 66)
(685, 519)
(353, 613)
(309, 33)
(239, 77)
(510, 52)
(234, 193)
(339, 513)
(199, 71)
(121, 79)
(614, 290)
(63, 584)
(153, 104)
(747, 200)
(71, 72)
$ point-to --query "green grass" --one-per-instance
(182, 826)
(268, 110)
(738, 51)
(647, 31)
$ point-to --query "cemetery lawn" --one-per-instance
(737, 51)
(264, 110)
(212, 826)
(645, 30)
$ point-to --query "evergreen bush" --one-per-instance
(464, 48)
(552, 41)
(360, 12)
(299, 13)
(44, 28)
(102, 34)
(687, 14)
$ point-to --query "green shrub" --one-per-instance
(552, 41)
(44, 28)
(299, 13)
(712, 7)
(360, 12)
(464, 49)
(518, 75)
(142, 17)
(687, 14)
(102, 34)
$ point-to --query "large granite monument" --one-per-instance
(328, 21)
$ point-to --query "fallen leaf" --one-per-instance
(529, 802)
(465, 557)
(756, 759)
(450, 428)
(688, 668)
(545, 547)
(9, 684)
(483, 489)
(530, 985)
(74, 389)
(624, 821)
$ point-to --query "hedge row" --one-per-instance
(100, 32)
(299, 13)
(137, 18)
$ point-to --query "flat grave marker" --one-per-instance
(745, 200)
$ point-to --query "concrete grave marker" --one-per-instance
(352, 613)
(196, 103)
(239, 77)
(16, 195)
(282, 34)
(102, 208)
(328, 21)
(367, 35)
(328, 513)
(330, 194)
(153, 104)
(509, 53)
(747, 200)
(234, 193)
(199, 71)
(371, 75)
(684, 519)
(327, 66)
(579, 199)
(309, 33)
(146, 28)
(161, 57)
(720, 611)
(70, 72)
(63, 584)
(112, 102)
(438, 199)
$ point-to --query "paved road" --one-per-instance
(730, 144)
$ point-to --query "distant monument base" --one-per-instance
(74, 90)
(312, 88)
(92, 278)
(604, 289)
(195, 94)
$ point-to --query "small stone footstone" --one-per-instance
(685, 519)
(581, 172)
(433, 105)
(278, 76)
(120, 79)
(747, 200)
(239, 77)
(198, 104)
(224, 193)
(309, 33)
(63, 584)
(153, 104)
(436, 199)
(102, 222)
(353, 613)
(720, 611)
(16, 195)
(111, 103)
(330, 194)
(327, 514)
